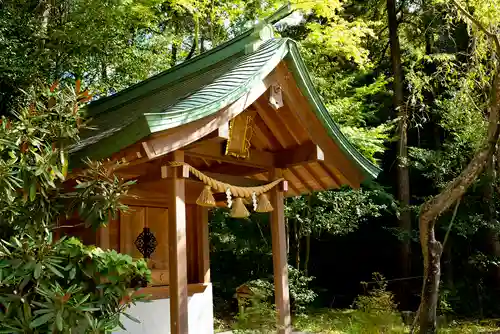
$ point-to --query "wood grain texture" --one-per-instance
(131, 225)
(204, 244)
(280, 264)
(157, 221)
(177, 250)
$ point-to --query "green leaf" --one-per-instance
(132, 318)
(27, 311)
(90, 309)
(64, 163)
(54, 270)
(59, 321)
(41, 320)
(33, 191)
(38, 270)
(72, 273)
(84, 299)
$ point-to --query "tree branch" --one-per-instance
(478, 24)
(455, 189)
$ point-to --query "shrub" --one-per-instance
(258, 317)
(300, 292)
(377, 309)
(60, 287)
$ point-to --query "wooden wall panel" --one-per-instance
(114, 234)
(157, 221)
(203, 244)
(192, 244)
(131, 225)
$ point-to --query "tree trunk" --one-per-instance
(433, 208)
(493, 240)
(403, 178)
(307, 255)
(45, 9)
(173, 60)
(297, 244)
(432, 274)
(195, 47)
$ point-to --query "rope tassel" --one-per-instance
(238, 209)
(263, 204)
(206, 198)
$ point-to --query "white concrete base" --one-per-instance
(155, 316)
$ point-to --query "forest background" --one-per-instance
(408, 81)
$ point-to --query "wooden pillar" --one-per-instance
(104, 242)
(203, 244)
(280, 263)
(104, 237)
(177, 244)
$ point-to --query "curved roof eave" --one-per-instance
(303, 79)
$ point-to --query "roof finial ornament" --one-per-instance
(262, 32)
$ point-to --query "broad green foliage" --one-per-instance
(369, 141)
(64, 286)
(336, 212)
(235, 245)
(34, 164)
(102, 42)
(486, 12)
(335, 48)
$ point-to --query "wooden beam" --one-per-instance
(177, 248)
(236, 180)
(331, 174)
(305, 153)
(169, 172)
(153, 194)
(280, 264)
(273, 123)
(294, 192)
(230, 169)
(301, 179)
(218, 136)
(203, 244)
(215, 151)
(316, 176)
(264, 133)
(222, 133)
(295, 126)
(286, 121)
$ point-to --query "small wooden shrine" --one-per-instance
(240, 126)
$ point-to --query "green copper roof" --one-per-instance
(199, 88)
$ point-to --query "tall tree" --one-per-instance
(435, 206)
(403, 177)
